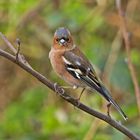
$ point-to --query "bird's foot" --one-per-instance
(78, 99)
(77, 103)
(81, 94)
(58, 89)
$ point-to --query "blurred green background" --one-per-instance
(31, 111)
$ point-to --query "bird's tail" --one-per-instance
(108, 97)
(95, 84)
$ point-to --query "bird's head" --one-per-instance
(62, 39)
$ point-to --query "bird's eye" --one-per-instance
(67, 39)
(56, 39)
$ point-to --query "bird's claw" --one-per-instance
(77, 102)
(58, 89)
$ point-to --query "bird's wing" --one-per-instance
(79, 67)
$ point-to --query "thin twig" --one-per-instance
(18, 47)
(92, 130)
(126, 36)
(68, 98)
(112, 57)
(10, 46)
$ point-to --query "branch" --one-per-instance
(126, 37)
(10, 46)
(66, 96)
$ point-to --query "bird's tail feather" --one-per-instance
(104, 92)
(110, 99)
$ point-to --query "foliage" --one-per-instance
(30, 111)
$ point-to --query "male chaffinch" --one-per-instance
(71, 65)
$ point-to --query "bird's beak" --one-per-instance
(62, 41)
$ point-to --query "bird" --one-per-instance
(71, 64)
